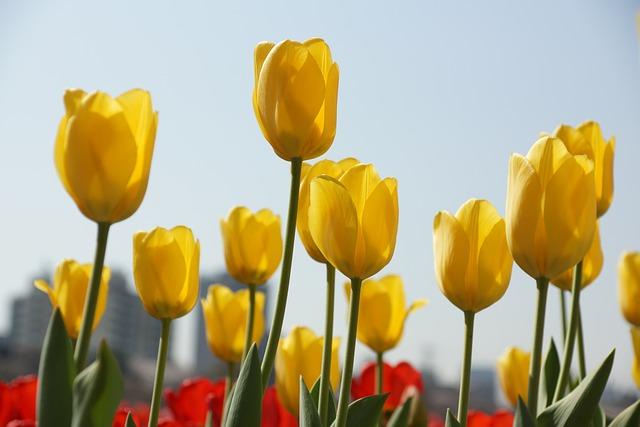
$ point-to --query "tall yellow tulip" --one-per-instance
(309, 172)
(635, 368)
(295, 97)
(472, 260)
(70, 284)
(252, 244)
(629, 286)
(166, 264)
(300, 354)
(225, 313)
(591, 266)
(103, 151)
(513, 373)
(383, 312)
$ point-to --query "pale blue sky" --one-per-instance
(436, 93)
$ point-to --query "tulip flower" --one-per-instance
(23, 392)
(300, 354)
(70, 284)
(498, 419)
(397, 379)
(591, 267)
(513, 373)
(295, 97)
(629, 286)
(273, 413)
(188, 404)
(635, 369)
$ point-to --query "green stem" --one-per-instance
(465, 374)
(283, 288)
(582, 361)
(161, 364)
(228, 383)
(563, 377)
(563, 314)
(325, 376)
(536, 356)
(248, 337)
(91, 300)
(379, 372)
(347, 370)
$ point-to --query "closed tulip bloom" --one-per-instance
(166, 264)
(103, 151)
(591, 266)
(629, 286)
(354, 220)
(635, 370)
(225, 318)
(471, 257)
(323, 167)
(513, 373)
(252, 244)
(383, 312)
(300, 354)
(70, 283)
(295, 97)
(551, 208)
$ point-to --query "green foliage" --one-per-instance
(451, 420)
(549, 377)
(523, 417)
(400, 417)
(331, 408)
(630, 417)
(308, 409)
(246, 403)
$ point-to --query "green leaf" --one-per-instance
(97, 391)
(308, 410)
(55, 376)
(331, 408)
(549, 377)
(366, 412)
(451, 420)
(630, 417)
(578, 407)
(400, 417)
(523, 417)
(129, 422)
(245, 409)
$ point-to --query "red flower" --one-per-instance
(139, 413)
(189, 404)
(22, 423)
(395, 381)
(501, 418)
(6, 404)
(273, 413)
(23, 397)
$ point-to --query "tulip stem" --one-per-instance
(228, 383)
(379, 372)
(347, 371)
(536, 356)
(563, 314)
(248, 339)
(582, 362)
(563, 377)
(465, 374)
(283, 288)
(325, 377)
(161, 363)
(91, 300)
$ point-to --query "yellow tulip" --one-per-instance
(591, 266)
(166, 264)
(252, 244)
(354, 220)
(225, 318)
(295, 97)
(382, 312)
(629, 286)
(300, 354)
(587, 139)
(323, 167)
(551, 208)
(635, 370)
(69, 291)
(472, 260)
(513, 373)
(103, 151)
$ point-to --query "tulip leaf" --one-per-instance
(630, 417)
(549, 377)
(400, 417)
(246, 403)
(523, 417)
(331, 408)
(578, 408)
(599, 418)
(308, 410)
(129, 421)
(451, 420)
(55, 376)
(365, 412)
(97, 391)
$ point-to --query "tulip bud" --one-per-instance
(166, 264)
(472, 260)
(551, 208)
(300, 354)
(103, 151)
(513, 373)
(225, 318)
(629, 286)
(295, 97)
(382, 312)
(323, 167)
(252, 244)
(591, 266)
(635, 368)
(354, 220)
(69, 291)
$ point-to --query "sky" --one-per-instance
(435, 93)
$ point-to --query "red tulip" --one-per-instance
(273, 413)
(189, 405)
(21, 423)
(395, 380)
(23, 396)
(6, 404)
(501, 418)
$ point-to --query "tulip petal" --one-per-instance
(494, 264)
(451, 251)
(321, 53)
(360, 181)
(380, 226)
(546, 156)
(376, 315)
